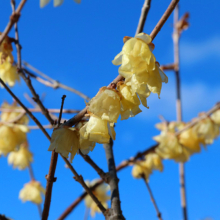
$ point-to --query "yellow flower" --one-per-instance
(129, 103)
(216, 117)
(8, 73)
(32, 192)
(139, 67)
(21, 158)
(10, 138)
(106, 104)
(55, 2)
(64, 140)
(6, 51)
(140, 169)
(153, 162)
(170, 148)
(206, 131)
(190, 140)
(96, 130)
(12, 115)
(101, 193)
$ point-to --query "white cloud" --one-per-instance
(192, 52)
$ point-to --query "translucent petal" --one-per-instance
(43, 3)
(57, 2)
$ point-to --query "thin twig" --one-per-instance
(51, 82)
(179, 108)
(100, 172)
(144, 13)
(152, 198)
(50, 177)
(69, 111)
(33, 127)
(168, 66)
(139, 155)
(116, 212)
(13, 19)
(153, 34)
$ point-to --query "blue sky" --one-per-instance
(75, 44)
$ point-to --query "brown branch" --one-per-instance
(168, 66)
(50, 177)
(13, 19)
(153, 34)
(69, 111)
(100, 172)
(32, 127)
(152, 198)
(179, 108)
(51, 82)
(163, 19)
(144, 13)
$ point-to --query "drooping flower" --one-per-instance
(6, 51)
(64, 140)
(170, 148)
(141, 170)
(129, 103)
(11, 137)
(55, 2)
(11, 115)
(139, 67)
(100, 192)
(106, 104)
(21, 158)
(216, 117)
(153, 162)
(32, 192)
(206, 131)
(8, 73)
(97, 130)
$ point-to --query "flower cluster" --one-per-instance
(178, 147)
(13, 128)
(142, 76)
(8, 72)
(100, 192)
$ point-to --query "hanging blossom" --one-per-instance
(13, 129)
(21, 158)
(8, 72)
(139, 67)
(101, 193)
(216, 117)
(55, 2)
(32, 192)
(145, 168)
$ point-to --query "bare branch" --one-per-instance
(13, 19)
(144, 13)
(152, 198)
(51, 82)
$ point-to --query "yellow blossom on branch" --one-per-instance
(32, 192)
(21, 158)
(106, 104)
(216, 117)
(100, 192)
(6, 51)
(140, 169)
(153, 162)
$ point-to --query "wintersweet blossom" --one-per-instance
(140, 169)
(170, 148)
(12, 114)
(129, 103)
(8, 73)
(206, 131)
(6, 51)
(55, 2)
(11, 137)
(139, 67)
(32, 192)
(153, 162)
(97, 130)
(106, 104)
(21, 158)
(216, 117)
(100, 192)
(64, 140)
